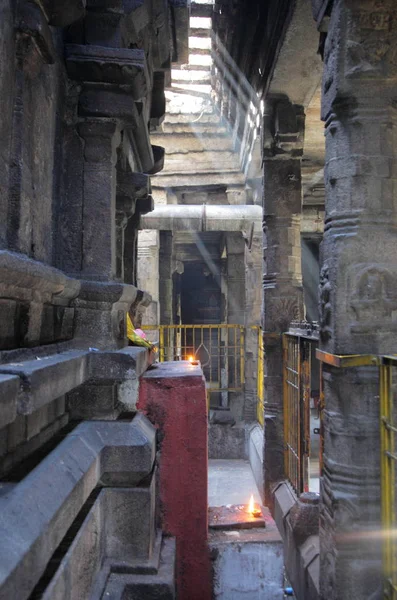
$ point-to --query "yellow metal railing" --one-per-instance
(388, 462)
(219, 348)
(221, 351)
(388, 456)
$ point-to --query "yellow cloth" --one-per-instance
(134, 338)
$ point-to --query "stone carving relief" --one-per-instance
(374, 296)
(325, 310)
(372, 43)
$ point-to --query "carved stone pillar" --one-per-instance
(253, 304)
(282, 282)
(358, 284)
(101, 137)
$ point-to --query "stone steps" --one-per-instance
(202, 179)
(154, 586)
(115, 456)
(200, 32)
(201, 10)
(194, 142)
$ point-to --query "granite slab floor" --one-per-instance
(230, 482)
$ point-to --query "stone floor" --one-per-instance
(230, 482)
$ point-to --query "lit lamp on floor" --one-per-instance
(253, 509)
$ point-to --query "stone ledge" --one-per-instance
(119, 365)
(46, 379)
(77, 575)
(36, 513)
(119, 66)
(27, 386)
(160, 586)
(9, 386)
(301, 559)
(18, 273)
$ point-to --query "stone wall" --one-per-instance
(81, 86)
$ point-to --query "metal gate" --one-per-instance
(297, 393)
(219, 348)
(221, 351)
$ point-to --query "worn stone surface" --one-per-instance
(225, 441)
(117, 453)
(153, 587)
(247, 563)
(235, 516)
(298, 525)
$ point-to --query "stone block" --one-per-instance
(38, 420)
(129, 532)
(26, 448)
(9, 387)
(248, 564)
(60, 485)
(173, 397)
(8, 325)
(16, 433)
(284, 500)
(79, 568)
(96, 401)
(120, 365)
(45, 379)
(159, 586)
(226, 442)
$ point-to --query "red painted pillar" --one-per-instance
(173, 397)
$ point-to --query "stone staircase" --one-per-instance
(82, 524)
(198, 145)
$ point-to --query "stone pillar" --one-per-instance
(173, 396)
(253, 303)
(166, 271)
(101, 137)
(235, 278)
(130, 251)
(282, 282)
(235, 245)
(358, 284)
(121, 224)
(148, 271)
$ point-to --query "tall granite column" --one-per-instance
(235, 245)
(101, 138)
(358, 284)
(282, 282)
(253, 308)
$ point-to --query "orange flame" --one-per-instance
(251, 505)
(190, 359)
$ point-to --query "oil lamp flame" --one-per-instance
(251, 505)
(190, 359)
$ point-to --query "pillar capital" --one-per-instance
(101, 137)
(283, 126)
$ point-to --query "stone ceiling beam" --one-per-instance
(174, 217)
